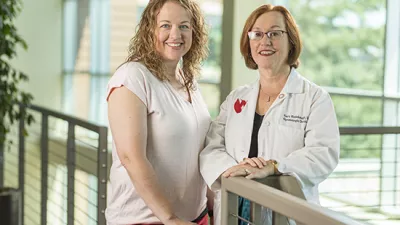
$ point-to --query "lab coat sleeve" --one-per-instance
(320, 155)
(214, 159)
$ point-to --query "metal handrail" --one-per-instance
(369, 130)
(280, 201)
(268, 193)
(288, 204)
(71, 162)
(262, 192)
(383, 168)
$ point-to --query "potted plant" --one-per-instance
(10, 96)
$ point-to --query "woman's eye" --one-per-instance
(274, 33)
(165, 26)
(184, 26)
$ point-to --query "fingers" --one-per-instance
(228, 172)
(259, 163)
(250, 162)
(254, 162)
(243, 170)
(257, 173)
(239, 172)
(263, 161)
(251, 176)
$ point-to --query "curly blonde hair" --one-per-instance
(142, 46)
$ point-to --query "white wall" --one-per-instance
(40, 24)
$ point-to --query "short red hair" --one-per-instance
(292, 31)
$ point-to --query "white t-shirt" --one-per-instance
(176, 135)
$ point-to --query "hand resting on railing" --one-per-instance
(251, 171)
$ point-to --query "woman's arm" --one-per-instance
(127, 116)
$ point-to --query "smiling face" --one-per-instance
(270, 54)
(174, 32)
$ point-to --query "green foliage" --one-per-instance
(366, 112)
(361, 146)
(352, 111)
(10, 94)
(344, 47)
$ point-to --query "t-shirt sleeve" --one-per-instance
(132, 77)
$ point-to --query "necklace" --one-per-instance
(269, 96)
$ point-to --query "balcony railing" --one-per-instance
(62, 176)
(287, 204)
(366, 183)
(61, 168)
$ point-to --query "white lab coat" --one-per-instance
(299, 130)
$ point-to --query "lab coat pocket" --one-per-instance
(289, 139)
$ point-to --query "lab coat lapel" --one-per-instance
(246, 118)
(294, 85)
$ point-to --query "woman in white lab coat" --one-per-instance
(280, 124)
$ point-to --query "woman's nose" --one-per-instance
(265, 40)
(175, 32)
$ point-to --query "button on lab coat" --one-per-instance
(300, 131)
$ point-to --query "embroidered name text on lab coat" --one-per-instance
(295, 118)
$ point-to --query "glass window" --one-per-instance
(96, 39)
(211, 68)
(343, 42)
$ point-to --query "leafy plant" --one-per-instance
(10, 94)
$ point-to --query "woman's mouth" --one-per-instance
(266, 52)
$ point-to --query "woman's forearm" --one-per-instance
(146, 184)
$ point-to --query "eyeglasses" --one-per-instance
(272, 35)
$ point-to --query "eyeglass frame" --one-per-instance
(266, 33)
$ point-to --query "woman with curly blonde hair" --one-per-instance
(159, 120)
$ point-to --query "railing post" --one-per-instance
(71, 173)
(102, 176)
(229, 205)
(255, 213)
(278, 219)
(44, 151)
(21, 163)
(2, 160)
